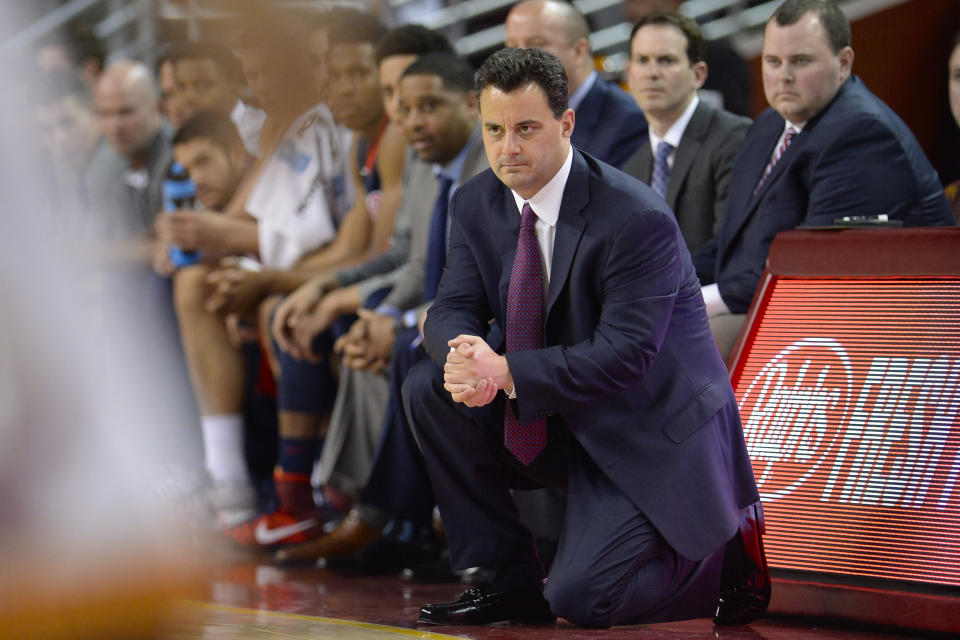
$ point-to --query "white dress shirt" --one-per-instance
(546, 205)
(675, 132)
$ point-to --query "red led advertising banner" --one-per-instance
(849, 392)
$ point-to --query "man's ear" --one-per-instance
(699, 73)
(845, 56)
(582, 47)
(567, 121)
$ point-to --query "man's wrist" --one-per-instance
(325, 286)
(506, 382)
(270, 279)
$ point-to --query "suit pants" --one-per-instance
(354, 430)
(612, 566)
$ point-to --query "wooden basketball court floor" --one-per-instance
(218, 594)
(252, 599)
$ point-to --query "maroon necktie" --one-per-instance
(524, 332)
(787, 139)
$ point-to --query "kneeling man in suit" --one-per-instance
(601, 378)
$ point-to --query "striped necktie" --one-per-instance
(661, 170)
(787, 139)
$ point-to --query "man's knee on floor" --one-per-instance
(582, 602)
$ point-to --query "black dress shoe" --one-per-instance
(743, 604)
(748, 596)
(485, 605)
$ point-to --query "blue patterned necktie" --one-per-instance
(661, 170)
(437, 240)
(781, 149)
(524, 331)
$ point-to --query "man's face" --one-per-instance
(213, 171)
(437, 121)
(391, 69)
(129, 116)
(353, 87)
(801, 74)
(525, 143)
(954, 84)
(660, 75)
(201, 86)
(535, 26)
(69, 129)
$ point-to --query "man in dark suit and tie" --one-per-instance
(612, 388)
(691, 144)
(826, 148)
(610, 126)
(728, 85)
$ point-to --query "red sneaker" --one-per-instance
(276, 529)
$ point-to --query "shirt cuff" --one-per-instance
(713, 301)
(388, 310)
(410, 318)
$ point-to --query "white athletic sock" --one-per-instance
(223, 448)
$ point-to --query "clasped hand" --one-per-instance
(235, 290)
(473, 372)
(368, 345)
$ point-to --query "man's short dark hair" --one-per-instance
(455, 72)
(210, 125)
(510, 69)
(696, 44)
(412, 40)
(345, 25)
(226, 62)
(835, 23)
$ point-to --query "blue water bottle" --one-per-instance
(179, 192)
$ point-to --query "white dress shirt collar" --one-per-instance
(546, 202)
(787, 125)
(790, 125)
(675, 132)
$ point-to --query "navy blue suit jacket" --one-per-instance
(629, 366)
(609, 124)
(855, 158)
